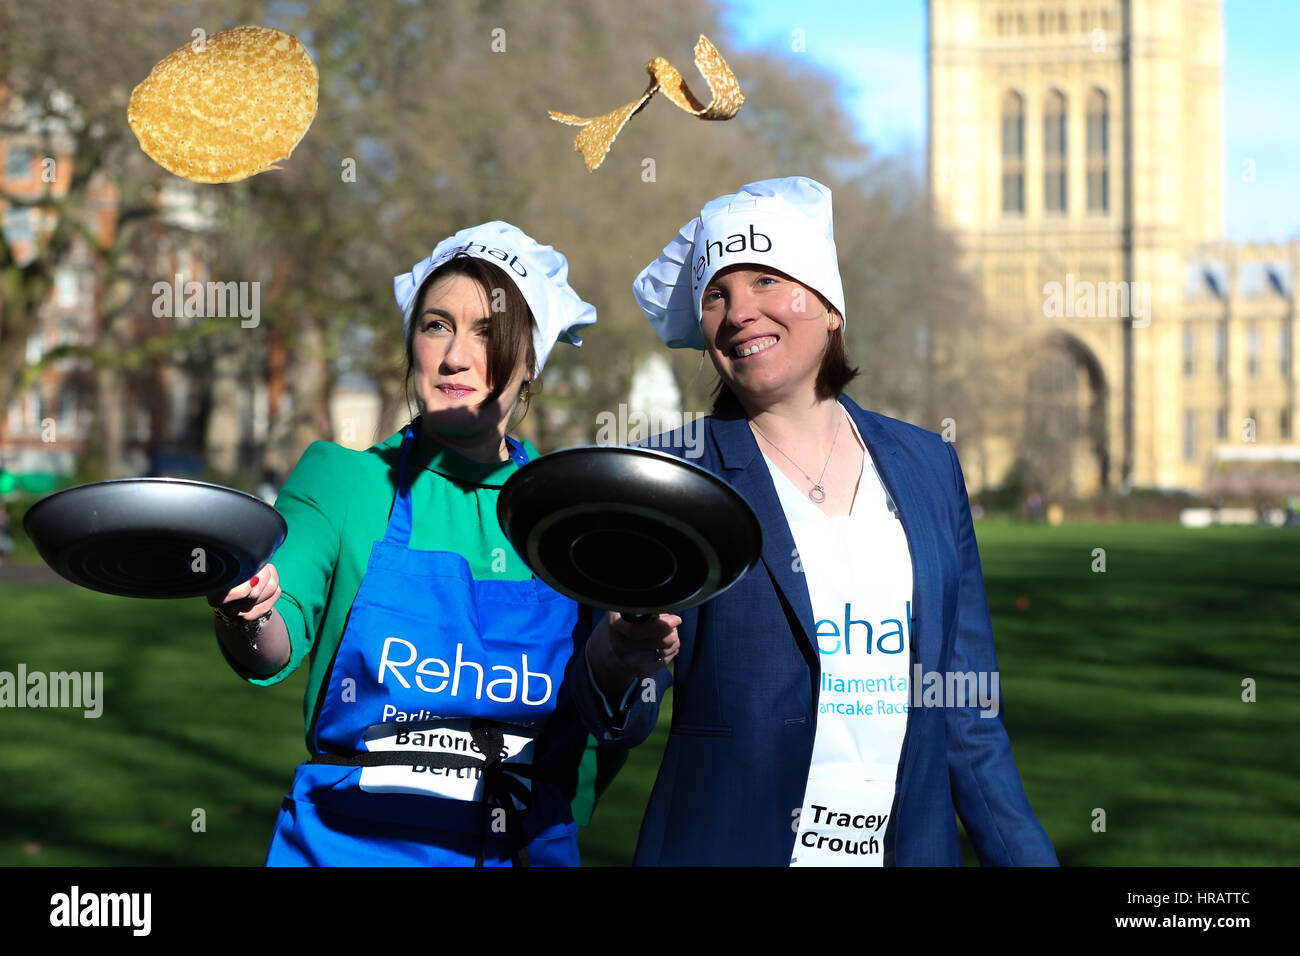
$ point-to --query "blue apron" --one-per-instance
(429, 744)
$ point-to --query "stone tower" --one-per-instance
(1076, 150)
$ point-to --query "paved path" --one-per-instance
(30, 574)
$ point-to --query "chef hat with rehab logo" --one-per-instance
(540, 272)
(782, 223)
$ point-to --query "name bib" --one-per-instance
(445, 737)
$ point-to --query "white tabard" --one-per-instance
(859, 574)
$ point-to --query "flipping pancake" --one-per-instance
(232, 108)
(599, 132)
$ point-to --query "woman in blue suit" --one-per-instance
(840, 702)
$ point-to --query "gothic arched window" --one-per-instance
(1054, 153)
(1098, 151)
(1013, 153)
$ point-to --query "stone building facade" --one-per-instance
(1076, 150)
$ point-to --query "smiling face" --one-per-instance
(766, 333)
(455, 336)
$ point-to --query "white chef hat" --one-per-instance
(540, 272)
(782, 223)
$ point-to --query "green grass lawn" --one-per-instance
(1123, 692)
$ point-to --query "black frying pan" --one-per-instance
(629, 529)
(154, 537)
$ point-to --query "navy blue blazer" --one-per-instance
(745, 689)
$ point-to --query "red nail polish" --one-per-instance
(253, 582)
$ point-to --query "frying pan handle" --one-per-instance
(639, 618)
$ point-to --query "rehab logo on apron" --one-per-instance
(427, 648)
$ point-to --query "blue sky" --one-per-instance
(877, 50)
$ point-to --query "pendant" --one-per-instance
(818, 494)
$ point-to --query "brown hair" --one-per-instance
(834, 374)
(511, 339)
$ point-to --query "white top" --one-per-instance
(859, 576)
